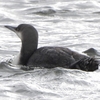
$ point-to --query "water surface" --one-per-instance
(73, 24)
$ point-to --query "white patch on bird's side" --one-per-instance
(16, 60)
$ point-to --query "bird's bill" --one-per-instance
(11, 28)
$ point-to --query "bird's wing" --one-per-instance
(53, 56)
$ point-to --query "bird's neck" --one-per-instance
(27, 50)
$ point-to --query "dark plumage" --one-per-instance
(92, 52)
(48, 57)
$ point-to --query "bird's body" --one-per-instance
(53, 57)
(48, 57)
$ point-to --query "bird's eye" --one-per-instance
(17, 29)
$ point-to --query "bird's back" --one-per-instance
(50, 57)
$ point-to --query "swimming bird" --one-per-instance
(92, 52)
(48, 57)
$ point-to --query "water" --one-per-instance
(68, 23)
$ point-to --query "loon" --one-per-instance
(48, 57)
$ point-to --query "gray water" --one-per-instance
(68, 23)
